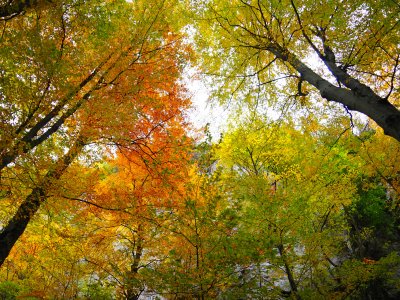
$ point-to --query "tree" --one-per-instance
(110, 231)
(290, 191)
(57, 74)
(79, 73)
(356, 44)
(17, 224)
(315, 209)
(197, 263)
(139, 190)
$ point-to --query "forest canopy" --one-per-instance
(108, 191)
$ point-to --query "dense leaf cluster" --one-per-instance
(107, 192)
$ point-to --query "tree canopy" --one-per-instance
(108, 191)
(347, 52)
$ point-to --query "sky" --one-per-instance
(204, 111)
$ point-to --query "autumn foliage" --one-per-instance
(108, 191)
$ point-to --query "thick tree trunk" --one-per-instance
(356, 96)
(17, 225)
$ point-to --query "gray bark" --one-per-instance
(355, 95)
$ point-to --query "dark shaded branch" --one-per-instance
(288, 272)
(30, 140)
(392, 78)
(14, 8)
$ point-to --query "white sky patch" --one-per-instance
(204, 112)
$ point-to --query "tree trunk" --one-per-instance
(356, 96)
(292, 282)
(133, 292)
(17, 225)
